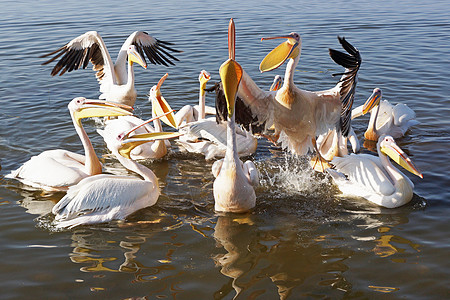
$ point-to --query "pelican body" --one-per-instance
(385, 118)
(104, 197)
(375, 178)
(297, 115)
(56, 170)
(152, 150)
(116, 80)
(233, 187)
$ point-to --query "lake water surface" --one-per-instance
(302, 241)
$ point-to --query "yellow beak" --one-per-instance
(203, 78)
(372, 101)
(161, 107)
(100, 108)
(276, 57)
(135, 57)
(400, 157)
(138, 139)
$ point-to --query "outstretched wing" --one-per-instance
(347, 84)
(76, 54)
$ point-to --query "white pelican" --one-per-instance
(385, 118)
(298, 115)
(56, 170)
(277, 83)
(209, 136)
(116, 80)
(153, 150)
(375, 178)
(105, 197)
(233, 186)
(188, 113)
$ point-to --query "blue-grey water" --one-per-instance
(302, 241)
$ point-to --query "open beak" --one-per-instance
(100, 108)
(203, 78)
(161, 107)
(396, 154)
(134, 56)
(231, 72)
(276, 85)
(373, 101)
(129, 144)
(284, 51)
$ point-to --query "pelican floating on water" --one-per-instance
(151, 150)
(104, 197)
(375, 178)
(298, 116)
(233, 186)
(116, 80)
(188, 113)
(385, 118)
(56, 170)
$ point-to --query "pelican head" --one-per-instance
(277, 82)
(390, 148)
(203, 78)
(82, 108)
(231, 72)
(135, 57)
(291, 48)
(372, 101)
(160, 105)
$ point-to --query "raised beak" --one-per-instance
(276, 57)
(276, 83)
(231, 72)
(203, 78)
(401, 158)
(100, 108)
(138, 139)
(373, 101)
(160, 105)
(134, 56)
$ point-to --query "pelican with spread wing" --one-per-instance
(57, 170)
(116, 79)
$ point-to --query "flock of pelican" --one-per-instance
(298, 120)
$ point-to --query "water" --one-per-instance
(301, 240)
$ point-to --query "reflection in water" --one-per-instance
(253, 257)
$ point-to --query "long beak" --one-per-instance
(100, 108)
(284, 51)
(373, 101)
(231, 72)
(203, 78)
(400, 157)
(138, 139)
(276, 84)
(127, 133)
(161, 107)
(134, 56)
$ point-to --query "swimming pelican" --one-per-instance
(116, 80)
(233, 186)
(153, 150)
(385, 118)
(298, 115)
(56, 170)
(105, 197)
(375, 178)
(188, 113)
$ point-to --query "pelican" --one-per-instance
(151, 150)
(298, 116)
(116, 80)
(208, 136)
(233, 186)
(277, 83)
(375, 178)
(385, 118)
(56, 170)
(188, 113)
(105, 197)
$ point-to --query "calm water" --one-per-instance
(301, 241)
